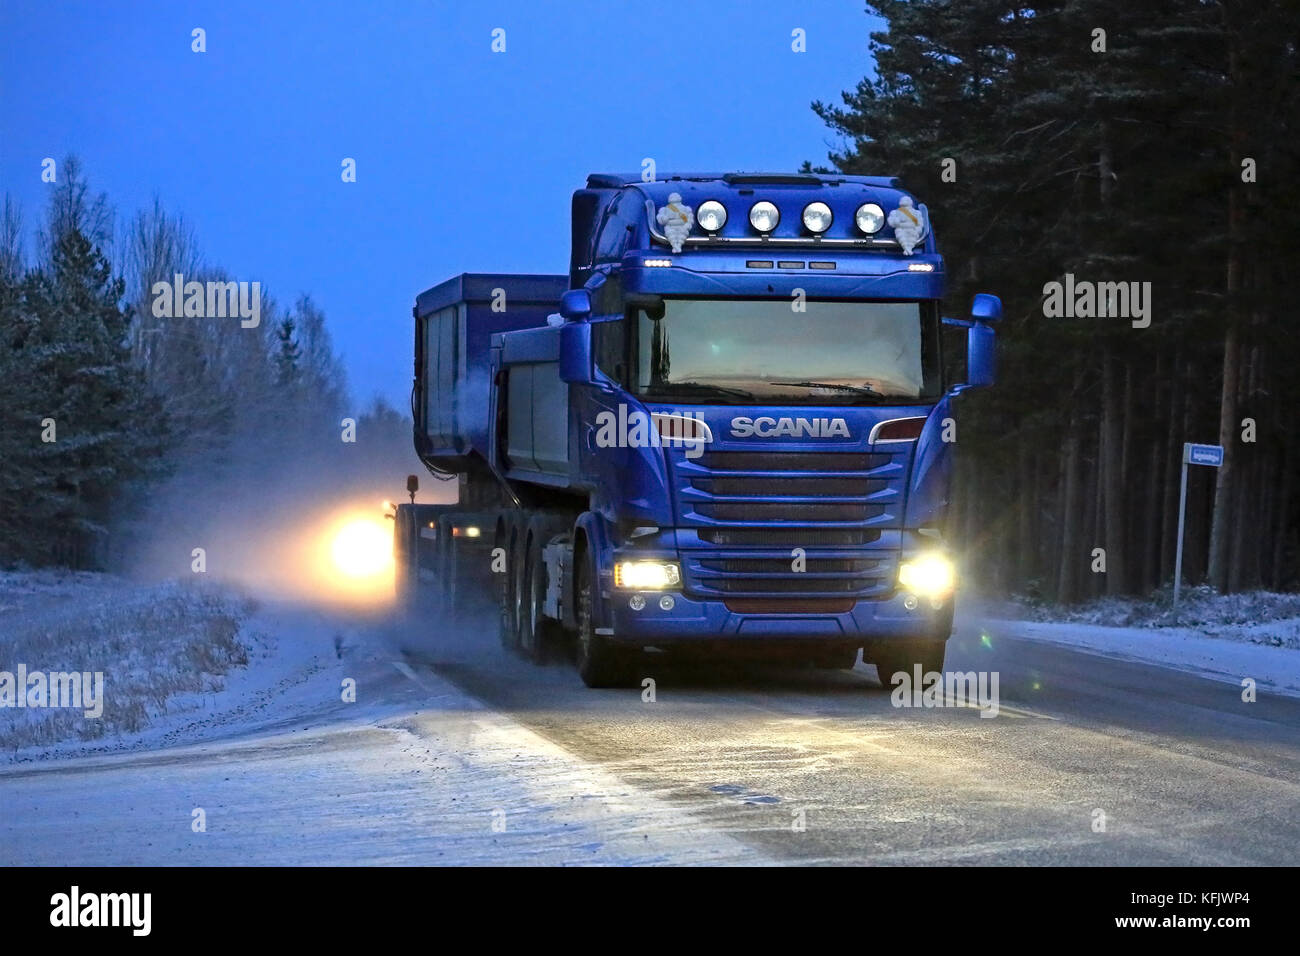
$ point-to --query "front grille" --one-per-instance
(837, 461)
(809, 575)
(793, 585)
(790, 605)
(780, 565)
(792, 537)
(790, 487)
(783, 511)
(808, 501)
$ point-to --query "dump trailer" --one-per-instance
(726, 430)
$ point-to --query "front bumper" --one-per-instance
(694, 620)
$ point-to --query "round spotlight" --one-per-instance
(817, 217)
(711, 215)
(869, 218)
(764, 216)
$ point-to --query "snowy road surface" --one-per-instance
(470, 756)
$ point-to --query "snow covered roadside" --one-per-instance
(1225, 637)
(136, 653)
(182, 661)
(441, 780)
(289, 767)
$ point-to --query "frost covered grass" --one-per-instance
(150, 642)
(1258, 617)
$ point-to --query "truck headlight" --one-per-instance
(928, 575)
(647, 575)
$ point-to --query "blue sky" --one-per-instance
(466, 158)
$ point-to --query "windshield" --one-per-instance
(731, 351)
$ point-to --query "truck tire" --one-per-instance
(600, 662)
(905, 655)
(536, 634)
(406, 571)
(508, 618)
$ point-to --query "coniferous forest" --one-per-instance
(120, 426)
(1110, 142)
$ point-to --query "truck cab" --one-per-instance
(732, 434)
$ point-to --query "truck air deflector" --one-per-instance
(747, 283)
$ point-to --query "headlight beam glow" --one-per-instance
(928, 575)
(362, 548)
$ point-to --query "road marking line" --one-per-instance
(405, 669)
(1007, 709)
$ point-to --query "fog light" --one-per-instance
(909, 602)
(817, 217)
(667, 603)
(764, 216)
(636, 602)
(647, 575)
(928, 575)
(869, 218)
(711, 215)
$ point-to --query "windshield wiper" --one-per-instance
(699, 388)
(860, 389)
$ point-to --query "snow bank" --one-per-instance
(154, 646)
(1229, 637)
(1259, 617)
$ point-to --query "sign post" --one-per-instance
(1212, 456)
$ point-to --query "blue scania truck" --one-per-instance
(727, 429)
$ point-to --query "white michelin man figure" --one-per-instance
(909, 227)
(676, 220)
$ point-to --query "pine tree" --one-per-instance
(81, 424)
(288, 356)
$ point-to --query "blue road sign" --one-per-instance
(1211, 455)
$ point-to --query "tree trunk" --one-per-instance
(1173, 454)
(1279, 571)
(1221, 527)
(1071, 507)
(1112, 477)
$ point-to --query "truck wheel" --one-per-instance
(905, 655)
(508, 620)
(536, 633)
(405, 563)
(600, 662)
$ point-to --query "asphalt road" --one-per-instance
(1090, 760)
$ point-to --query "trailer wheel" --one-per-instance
(600, 662)
(507, 620)
(905, 655)
(406, 569)
(537, 634)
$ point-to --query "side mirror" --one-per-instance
(575, 305)
(980, 354)
(986, 307)
(575, 350)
